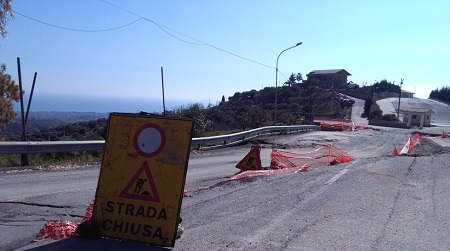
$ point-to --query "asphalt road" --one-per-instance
(377, 202)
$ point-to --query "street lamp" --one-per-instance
(399, 96)
(276, 81)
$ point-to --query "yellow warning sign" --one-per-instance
(142, 178)
(251, 161)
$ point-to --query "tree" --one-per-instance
(375, 111)
(197, 113)
(5, 15)
(299, 77)
(291, 80)
(258, 117)
(308, 110)
(9, 91)
(442, 94)
(367, 104)
(287, 118)
(251, 117)
(385, 86)
(242, 118)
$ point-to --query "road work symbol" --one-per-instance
(141, 186)
(251, 161)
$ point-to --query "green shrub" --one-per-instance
(389, 117)
(375, 111)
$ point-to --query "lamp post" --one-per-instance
(399, 96)
(276, 82)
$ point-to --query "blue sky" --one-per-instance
(211, 48)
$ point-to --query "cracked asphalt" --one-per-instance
(28, 198)
(377, 202)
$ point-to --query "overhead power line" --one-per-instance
(160, 26)
(72, 29)
(165, 28)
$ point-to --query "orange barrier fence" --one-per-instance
(59, 229)
(334, 124)
(326, 155)
(413, 141)
(283, 162)
(335, 127)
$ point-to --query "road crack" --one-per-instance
(377, 243)
(34, 204)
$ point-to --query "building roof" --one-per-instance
(333, 71)
(405, 91)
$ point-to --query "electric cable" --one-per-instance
(164, 28)
(160, 26)
(78, 30)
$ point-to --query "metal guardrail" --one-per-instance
(236, 138)
(19, 147)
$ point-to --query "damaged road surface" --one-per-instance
(377, 202)
(29, 198)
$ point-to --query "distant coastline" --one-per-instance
(48, 111)
(67, 103)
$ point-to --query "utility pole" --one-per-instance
(399, 96)
(162, 87)
(23, 157)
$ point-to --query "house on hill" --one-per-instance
(407, 94)
(329, 78)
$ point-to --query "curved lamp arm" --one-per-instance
(276, 81)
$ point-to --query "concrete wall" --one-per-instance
(383, 95)
(354, 94)
(387, 123)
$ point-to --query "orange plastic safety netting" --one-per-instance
(326, 155)
(283, 162)
(59, 229)
(334, 124)
(254, 173)
(413, 141)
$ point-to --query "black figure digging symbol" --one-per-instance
(138, 187)
(249, 161)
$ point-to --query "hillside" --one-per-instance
(241, 111)
(43, 123)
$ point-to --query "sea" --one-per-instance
(73, 103)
